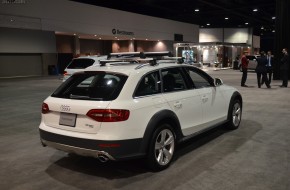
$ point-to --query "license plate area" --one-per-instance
(67, 119)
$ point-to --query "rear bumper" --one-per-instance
(114, 150)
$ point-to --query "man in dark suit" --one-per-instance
(269, 66)
(284, 68)
(261, 70)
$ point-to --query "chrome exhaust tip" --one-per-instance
(42, 143)
(103, 158)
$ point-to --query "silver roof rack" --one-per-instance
(123, 55)
(145, 58)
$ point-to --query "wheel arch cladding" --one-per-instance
(164, 116)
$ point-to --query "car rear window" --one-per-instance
(80, 63)
(92, 86)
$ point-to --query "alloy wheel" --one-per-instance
(164, 147)
(237, 113)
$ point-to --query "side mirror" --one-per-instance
(218, 82)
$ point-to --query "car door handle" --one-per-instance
(177, 104)
(204, 99)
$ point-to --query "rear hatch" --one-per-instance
(81, 101)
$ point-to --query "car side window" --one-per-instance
(149, 85)
(198, 79)
(172, 80)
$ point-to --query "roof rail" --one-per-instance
(120, 61)
(104, 62)
(151, 62)
(142, 55)
(123, 55)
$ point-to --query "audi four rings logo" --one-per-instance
(64, 108)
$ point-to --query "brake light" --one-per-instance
(64, 73)
(45, 108)
(108, 115)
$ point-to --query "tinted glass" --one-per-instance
(80, 63)
(92, 86)
(149, 84)
(199, 79)
(172, 80)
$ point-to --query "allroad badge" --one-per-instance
(65, 108)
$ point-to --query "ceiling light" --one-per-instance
(273, 17)
(207, 24)
(95, 35)
(196, 10)
(100, 38)
(255, 10)
(246, 23)
(273, 30)
(226, 18)
(146, 39)
(75, 34)
(262, 27)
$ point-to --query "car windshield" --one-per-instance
(92, 86)
(80, 63)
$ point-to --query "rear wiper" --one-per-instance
(72, 96)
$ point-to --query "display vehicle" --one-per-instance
(138, 106)
(252, 62)
(81, 63)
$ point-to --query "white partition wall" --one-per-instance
(76, 17)
(29, 27)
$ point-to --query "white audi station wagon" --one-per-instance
(80, 63)
(136, 108)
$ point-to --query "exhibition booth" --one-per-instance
(211, 54)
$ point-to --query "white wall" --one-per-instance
(211, 35)
(15, 40)
(237, 35)
(68, 16)
(227, 35)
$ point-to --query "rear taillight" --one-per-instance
(65, 73)
(45, 108)
(108, 115)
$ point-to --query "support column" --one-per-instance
(77, 48)
(282, 33)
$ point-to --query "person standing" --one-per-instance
(269, 66)
(244, 65)
(284, 68)
(261, 70)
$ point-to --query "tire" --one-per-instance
(234, 114)
(161, 148)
